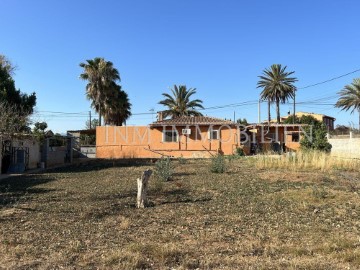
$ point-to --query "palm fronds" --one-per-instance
(179, 102)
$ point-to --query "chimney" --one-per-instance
(160, 116)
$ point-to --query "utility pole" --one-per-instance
(234, 117)
(90, 119)
(294, 106)
(259, 117)
(152, 114)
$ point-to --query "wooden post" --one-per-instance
(142, 184)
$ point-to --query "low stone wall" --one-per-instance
(345, 147)
(88, 151)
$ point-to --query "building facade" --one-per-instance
(188, 137)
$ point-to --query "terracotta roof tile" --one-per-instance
(192, 120)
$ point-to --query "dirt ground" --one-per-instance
(84, 217)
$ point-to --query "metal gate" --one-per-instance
(20, 157)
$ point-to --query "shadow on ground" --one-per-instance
(13, 188)
(88, 165)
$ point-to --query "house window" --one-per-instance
(295, 137)
(271, 137)
(213, 134)
(170, 136)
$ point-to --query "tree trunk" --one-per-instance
(100, 116)
(269, 114)
(359, 119)
(278, 110)
(142, 184)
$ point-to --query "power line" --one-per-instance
(245, 103)
(72, 113)
(76, 113)
(329, 80)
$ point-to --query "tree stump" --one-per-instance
(142, 184)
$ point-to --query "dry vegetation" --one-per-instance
(307, 160)
(85, 217)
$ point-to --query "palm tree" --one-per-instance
(100, 75)
(350, 97)
(277, 86)
(117, 107)
(179, 103)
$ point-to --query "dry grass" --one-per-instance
(85, 217)
(307, 160)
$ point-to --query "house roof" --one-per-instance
(299, 114)
(276, 125)
(82, 131)
(316, 114)
(191, 121)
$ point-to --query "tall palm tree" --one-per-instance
(277, 86)
(179, 103)
(350, 97)
(100, 75)
(117, 107)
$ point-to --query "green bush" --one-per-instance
(231, 158)
(164, 169)
(240, 152)
(218, 164)
(316, 130)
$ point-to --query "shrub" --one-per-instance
(317, 132)
(182, 160)
(240, 152)
(320, 193)
(218, 164)
(231, 158)
(158, 185)
(164, 169)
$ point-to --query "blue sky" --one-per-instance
(218, 47)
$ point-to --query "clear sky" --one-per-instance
(218, 47)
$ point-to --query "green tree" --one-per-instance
(6, 63)
(117, 107)
(101, 76)
(11, 122)
(315, 138)
(277, 86)
(243, 122)
(94, 123)
(39, 127)
(350, 98)
(57, 140)
(23, 103)
(15, 106)
(39, 130)
(180, 103)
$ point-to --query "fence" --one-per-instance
(345, 145)
(56, 155)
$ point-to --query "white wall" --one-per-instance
(345, 147)
(34, 150)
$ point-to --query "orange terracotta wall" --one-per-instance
(146, 142)
(281, 137)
